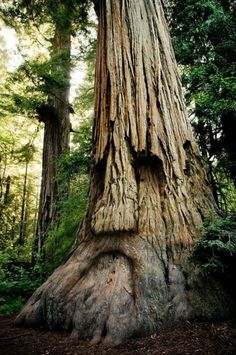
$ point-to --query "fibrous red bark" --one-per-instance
(148, 194)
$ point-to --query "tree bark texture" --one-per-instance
(56, 118)
(23, 218)
(148, 196)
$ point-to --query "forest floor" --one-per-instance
(185, 338)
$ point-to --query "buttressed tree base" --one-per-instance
(128, 274)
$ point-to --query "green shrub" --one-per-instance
(60, 240)
(9, 305)
(215, 251)
(17, 282)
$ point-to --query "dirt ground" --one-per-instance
(185, 338)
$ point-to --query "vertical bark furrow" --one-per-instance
(145, 104)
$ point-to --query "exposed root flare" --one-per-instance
(112, 296)
(91, 297)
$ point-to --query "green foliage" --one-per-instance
(79, 160)
(25, 153)
(84, 101)
(62, 237)
(28, 87)
(4, 56)
(73, 167)
(45, 73)
(215, 251)
(17, 282)
(73, 173)
(17, 182)
(10, 305)
(64, 14)
(204, 36)
(25, 91)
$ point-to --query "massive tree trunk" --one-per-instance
(56, 118)
(127, 275)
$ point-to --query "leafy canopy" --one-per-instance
(204, 36)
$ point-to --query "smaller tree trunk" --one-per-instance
(56, 120)
(7, 191)
(2, 180)
(23, 206)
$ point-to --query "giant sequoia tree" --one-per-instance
(148, 194)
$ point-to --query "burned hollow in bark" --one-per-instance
(148, 195)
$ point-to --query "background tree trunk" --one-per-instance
(127, 275)
(56, 118)
(23, 218)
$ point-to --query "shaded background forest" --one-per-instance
(204, 37)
